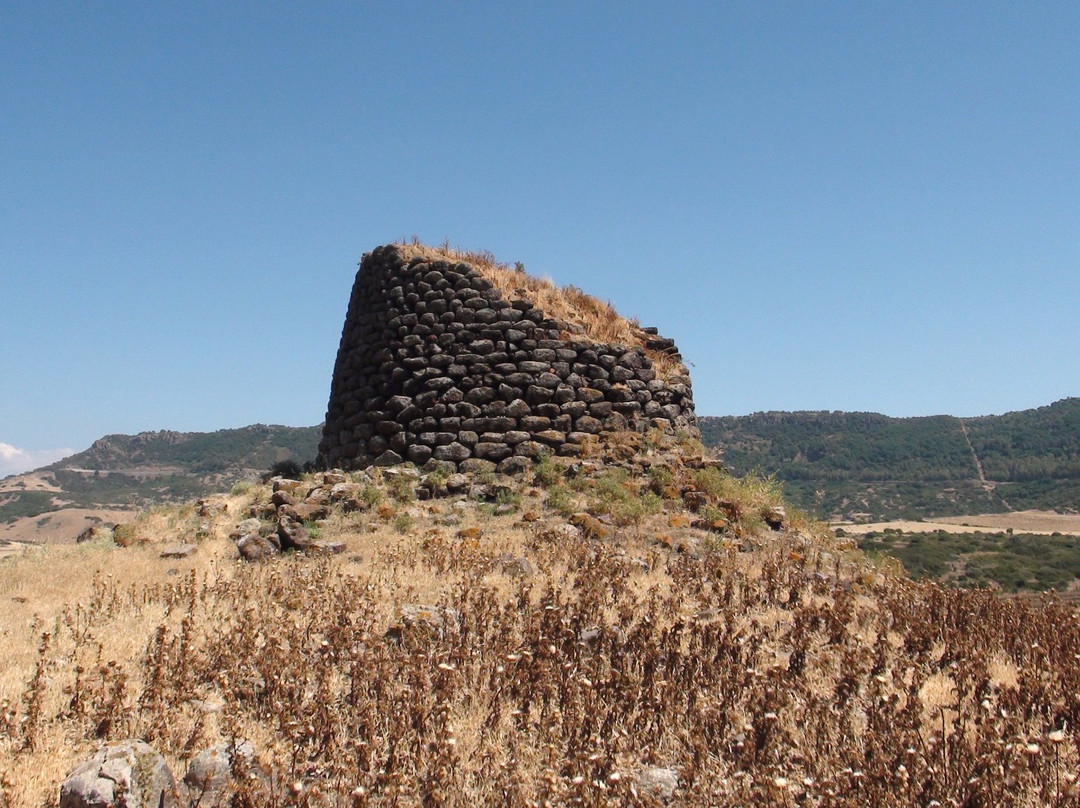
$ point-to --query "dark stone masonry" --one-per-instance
(435, 363)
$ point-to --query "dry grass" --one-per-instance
(598, 319)
(766, 667)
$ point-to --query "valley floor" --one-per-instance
(1044, 522)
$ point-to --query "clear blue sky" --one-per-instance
(853, 206)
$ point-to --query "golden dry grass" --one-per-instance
(766, 667)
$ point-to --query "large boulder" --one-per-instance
(125, 774)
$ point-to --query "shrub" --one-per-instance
(370, 495)
(560, 500)
(289, 469)
(547, 472)
(402, 489)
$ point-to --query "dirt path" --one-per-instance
(987, 486)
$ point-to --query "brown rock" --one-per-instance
(254, 547)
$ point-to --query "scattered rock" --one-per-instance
(514, 465)
(254, 547)
(658, 783)
(178, 551)
(210, 770)
(327, 547)
(518, 567)
(774, 517)
(209, 508)
(286, 485)
(306, 511)
(247, 527)
(126, 774)
(293, 535)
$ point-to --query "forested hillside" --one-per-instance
(153, 467)
(865, 465)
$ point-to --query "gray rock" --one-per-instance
(587, 423)
(388, 458)
(126, 774)
(457, 483)
(658, 782)
(178, 551)
(327, 547)
(245, 528)
(514, 465)
(775, 517)
(518, 567)
(209, 771)
(476, 465)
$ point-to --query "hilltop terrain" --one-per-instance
(120, 473)
(633, 627)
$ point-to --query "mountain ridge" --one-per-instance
(869, 466)
(119, 473)
(847, 466)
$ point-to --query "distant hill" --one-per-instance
(866, 466)
(120, 472)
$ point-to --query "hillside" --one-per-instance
(630, 628)
(121, 472)
(870, 467)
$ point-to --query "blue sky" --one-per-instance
(846, 206)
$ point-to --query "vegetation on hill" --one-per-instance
(1009, 561)
(198, 453)
(154, 467)
(872, 467)
(537, 640)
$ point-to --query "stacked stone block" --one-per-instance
(436, 364)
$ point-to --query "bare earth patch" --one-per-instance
(31, 481)
(1045, 522)
(59, 527)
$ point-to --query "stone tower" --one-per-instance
(451, 357)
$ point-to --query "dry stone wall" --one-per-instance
(436, 364)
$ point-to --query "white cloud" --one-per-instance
(15, 461)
